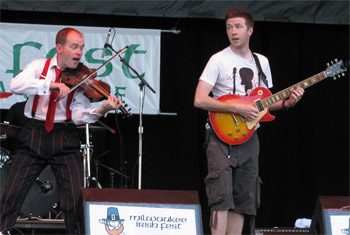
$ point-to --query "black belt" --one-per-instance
(58, 124)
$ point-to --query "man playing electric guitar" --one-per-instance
(232, 179)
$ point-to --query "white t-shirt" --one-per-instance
(225, 67)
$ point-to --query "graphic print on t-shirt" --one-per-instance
(246, 75)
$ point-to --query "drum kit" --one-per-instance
(42, 199)
(6, 131)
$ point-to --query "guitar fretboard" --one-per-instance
(288, 91)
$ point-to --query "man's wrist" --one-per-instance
(284, 106)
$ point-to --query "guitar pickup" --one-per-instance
(259, 105)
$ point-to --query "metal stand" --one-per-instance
(112, 172)
(86, 157)
(142, 84)
(140, 134)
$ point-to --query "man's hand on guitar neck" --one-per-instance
(294, 98)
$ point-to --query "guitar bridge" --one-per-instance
(235, 119)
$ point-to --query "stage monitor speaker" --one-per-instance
(42, 196)
(132, 211)
(331, 216)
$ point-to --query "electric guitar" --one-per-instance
(234, 129)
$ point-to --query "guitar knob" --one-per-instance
(229, 133)
(236, 137)
(244, 133)
(238, 129)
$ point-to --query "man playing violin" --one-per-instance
(50, 137)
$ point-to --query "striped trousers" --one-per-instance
(61, 149)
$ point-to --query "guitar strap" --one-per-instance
(262, 76)
(234, 79)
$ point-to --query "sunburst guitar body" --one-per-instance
(233, 129)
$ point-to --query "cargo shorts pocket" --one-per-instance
(215, 187)
(258, 191)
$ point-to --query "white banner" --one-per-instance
(22, 43)
(144, 218)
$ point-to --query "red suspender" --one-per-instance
(42, 76)
(36, 98)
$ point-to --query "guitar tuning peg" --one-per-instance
(336, 60)
(334, 78)
(338, 75)
(327, 64)
(343, 74)
(332, 62)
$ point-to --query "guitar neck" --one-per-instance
(288, 91)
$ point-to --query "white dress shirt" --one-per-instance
(28, 82)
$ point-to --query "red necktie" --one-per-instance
(50, 115)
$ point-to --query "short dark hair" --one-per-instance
(239, 12)
(61, 37)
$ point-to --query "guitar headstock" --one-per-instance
(335, 69)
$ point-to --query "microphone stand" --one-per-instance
(140, 130)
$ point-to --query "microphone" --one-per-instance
(45, 187)
(106, 43)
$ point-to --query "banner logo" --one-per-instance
(113, 223)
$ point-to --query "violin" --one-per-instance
(95, 90)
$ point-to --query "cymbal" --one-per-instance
(91, 128)
(5, 94)
(7, 130)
